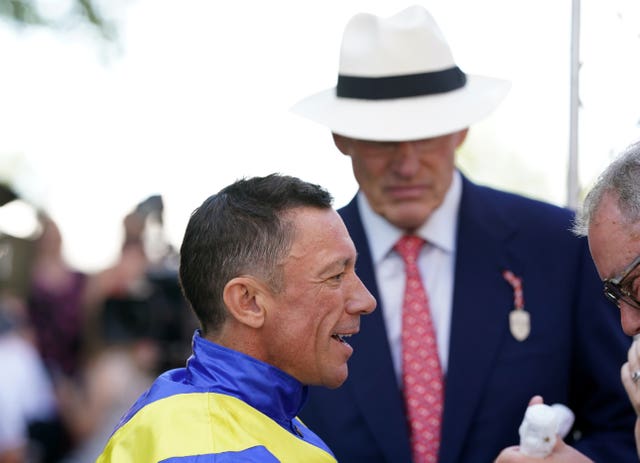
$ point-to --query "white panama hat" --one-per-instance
(398, 81)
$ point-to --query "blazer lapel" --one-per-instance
(371, 374)
(477, 330)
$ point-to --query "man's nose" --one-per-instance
(630, 319)
(361, 302)
(406, 157)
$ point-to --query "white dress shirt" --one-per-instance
(436, 263)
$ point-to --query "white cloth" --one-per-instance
(436, 263)
(26, 392)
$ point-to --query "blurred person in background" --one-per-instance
(485, 297)
(56, 307)
(140, 292)
(137, 328)
(27, 398)
(56, 302)
(30, 427)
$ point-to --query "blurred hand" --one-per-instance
(633, 389)
(632, 364)
(562, 453)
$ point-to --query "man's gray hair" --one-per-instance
(622, 178)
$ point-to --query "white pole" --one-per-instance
(573, 181)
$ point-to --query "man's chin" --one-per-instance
(337, 380)
(409, 219)
(407, 214)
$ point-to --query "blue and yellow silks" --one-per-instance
(223, 407)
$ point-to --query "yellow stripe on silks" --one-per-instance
(201, 424)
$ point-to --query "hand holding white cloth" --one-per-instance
(541, 426)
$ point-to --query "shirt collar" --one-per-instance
(439, 229)
(262, 386)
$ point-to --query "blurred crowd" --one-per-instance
(77, 348)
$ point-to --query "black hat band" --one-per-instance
(382, 88)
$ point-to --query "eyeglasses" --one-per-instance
(614, 287)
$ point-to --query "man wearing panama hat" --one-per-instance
(500, 301)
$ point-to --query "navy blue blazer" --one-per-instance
(573, 353)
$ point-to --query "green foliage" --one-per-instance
(25, 13)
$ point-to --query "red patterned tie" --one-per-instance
(421, 370)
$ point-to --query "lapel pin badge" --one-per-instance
(519, 319)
